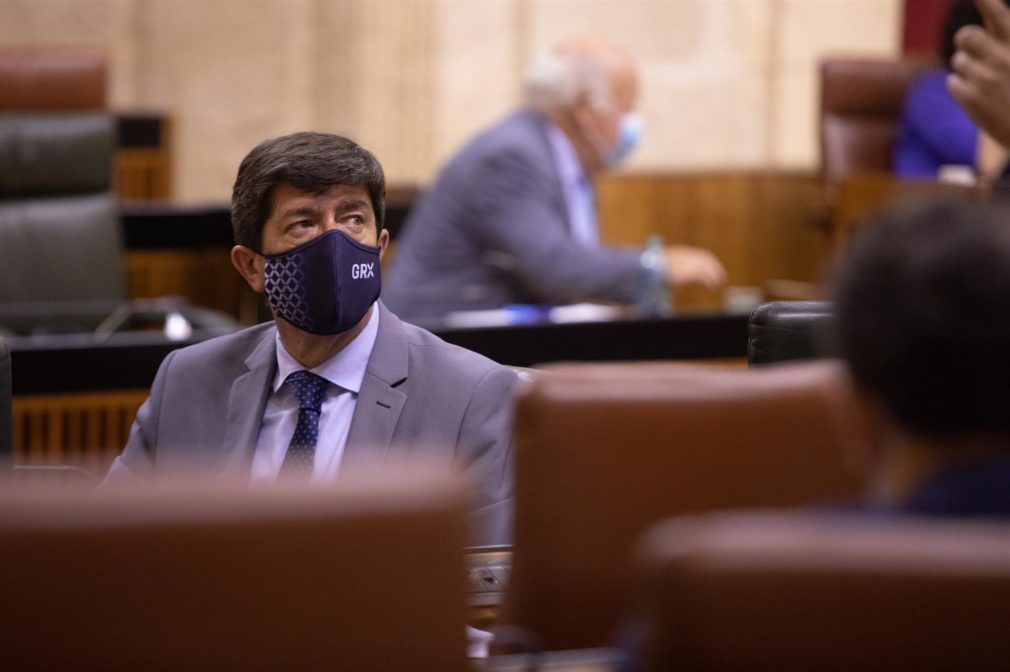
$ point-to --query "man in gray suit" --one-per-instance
(337, 379)
(511, 219)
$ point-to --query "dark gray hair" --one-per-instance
(312, 162)
(923, 316)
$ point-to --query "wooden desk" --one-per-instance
(688, 336)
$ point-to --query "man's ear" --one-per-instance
(383, 243)
(249, 265)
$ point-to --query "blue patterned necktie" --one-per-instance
(309, 389)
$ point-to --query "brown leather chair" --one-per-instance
(861, 100)
(604, 451)
(792, 593)
(52, 78)
(368, 576)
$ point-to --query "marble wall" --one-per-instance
(725, 83)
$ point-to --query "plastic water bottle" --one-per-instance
(653, 293)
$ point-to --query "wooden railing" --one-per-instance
(860, 195)
(86, 430)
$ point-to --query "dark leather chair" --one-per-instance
(604, 451)
(6, 422)
(757, 592)
(861, 100)
(59, 230)
(368, 576)
(781, 331)
(61, 248)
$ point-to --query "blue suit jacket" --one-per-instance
(419, 394)
(494, 230)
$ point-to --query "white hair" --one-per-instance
(555, 81)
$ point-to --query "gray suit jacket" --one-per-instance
(494, 230)
(419, 394)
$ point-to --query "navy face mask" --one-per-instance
(324, 286)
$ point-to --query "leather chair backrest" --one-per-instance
(756, 592)
(780, 331)
(604, 451)
(368, 576)
(861, 101)
(60, 237)
(6, 421)
(52, 78)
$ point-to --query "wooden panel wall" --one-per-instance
(861, 195)
(763, 226)
(86, 430)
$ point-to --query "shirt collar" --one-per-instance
(346, 369)
(569, 167)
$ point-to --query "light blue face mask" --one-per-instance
(629, 132)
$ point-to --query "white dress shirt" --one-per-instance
(345, 371)
(578, 188)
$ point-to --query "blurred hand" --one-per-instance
(693, 266)
(981, 78)
(990, 157)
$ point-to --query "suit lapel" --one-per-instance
(379, 402)
(246, 402)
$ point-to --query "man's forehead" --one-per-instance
(342, 193)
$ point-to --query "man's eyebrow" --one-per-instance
(343, 204)
(350, 203)
(302, 211)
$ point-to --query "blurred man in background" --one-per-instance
(512, 218)
(923, 310)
